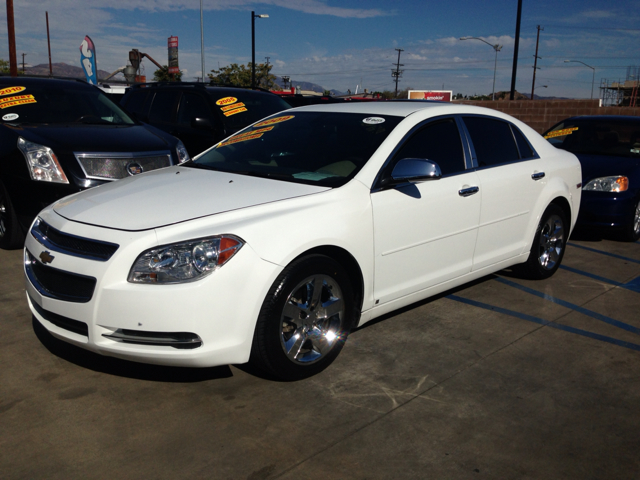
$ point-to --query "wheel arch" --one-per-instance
(350, 264)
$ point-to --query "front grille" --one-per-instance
(59, 284)
(114, 166)
(70, 244)
(74, 326)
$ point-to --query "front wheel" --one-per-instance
(548, 246)
(304, 320)
(632, 230)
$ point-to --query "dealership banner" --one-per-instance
(88, 60)
(172, 45)
(441, 95)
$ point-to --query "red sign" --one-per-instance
(172, 42)
(440, 95)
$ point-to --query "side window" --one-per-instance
(192, 106)
(438, 141)
(525, 149)
(162, 106)
(136, 101)
(492, 140)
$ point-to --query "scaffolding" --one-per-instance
(622, 93)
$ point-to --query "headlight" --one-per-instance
(185, 261)
(615, 183)
(42, 162)
(183, 155)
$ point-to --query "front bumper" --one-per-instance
(603, 209)
(204, 323)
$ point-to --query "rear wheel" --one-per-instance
(304, 320)
(10, 233)
(548, 245)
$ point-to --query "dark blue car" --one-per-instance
(609, 150)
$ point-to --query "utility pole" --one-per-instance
(397, 73)
(49, 46)
(535, 61)
(267, 59)
(11, 30)
(515, 52)
(23, 62)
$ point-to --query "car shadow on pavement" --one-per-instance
(124, 368)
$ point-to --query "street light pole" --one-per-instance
(253, 46)
(593, 78)
(202, 41)
(497, 48)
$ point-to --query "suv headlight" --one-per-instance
(42, 162)
(615, 183)
(183, 155)
(185, 261)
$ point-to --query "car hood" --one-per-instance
(97, 138)
(173, 195)
(594, 166)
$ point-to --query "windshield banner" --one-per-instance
(88, 60)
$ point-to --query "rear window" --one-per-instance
(618, 138)
(243, 108)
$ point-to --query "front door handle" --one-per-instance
(537, 175)
(468, 191)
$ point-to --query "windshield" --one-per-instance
(55, 104)
(246, 107)
(616, 138)
(317, 148)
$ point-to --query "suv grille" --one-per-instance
(114, 166)
(58, 284)
(70, 244)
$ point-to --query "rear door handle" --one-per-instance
(537, 175)
(466, 192)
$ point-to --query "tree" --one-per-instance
(240, 76)
(163, 75)
(5, 68)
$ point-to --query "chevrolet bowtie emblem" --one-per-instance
(46, 257)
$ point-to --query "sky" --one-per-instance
(349, 44)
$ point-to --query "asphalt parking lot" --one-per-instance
(502, 379)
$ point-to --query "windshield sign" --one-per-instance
(317, 148)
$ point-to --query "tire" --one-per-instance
(548, 246)
(631, 232)
(11, 236)
(304, 320)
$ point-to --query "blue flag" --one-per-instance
(88, 60)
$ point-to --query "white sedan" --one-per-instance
(272, 245)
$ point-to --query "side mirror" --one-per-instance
(201, 123)
(415, 170)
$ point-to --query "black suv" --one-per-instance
(199, 114)
(58, 137)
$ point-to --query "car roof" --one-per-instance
(403, 108)
(223, 90)
(599, 118)
(21, 80)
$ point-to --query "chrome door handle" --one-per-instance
(466, 192)
(537, 175)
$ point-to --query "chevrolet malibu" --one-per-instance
(272, 245)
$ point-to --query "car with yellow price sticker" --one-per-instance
(58, 137)
(199, 114)
(271, 246)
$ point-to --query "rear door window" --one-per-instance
(493, 141)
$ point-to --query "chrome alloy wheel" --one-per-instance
(636, 221)
(3, 215)
(312, 319)
(551, 242)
